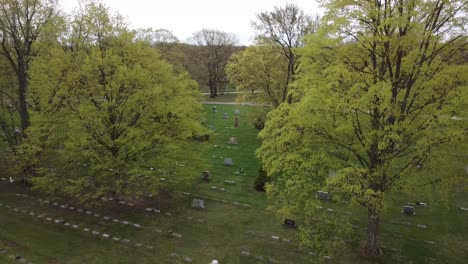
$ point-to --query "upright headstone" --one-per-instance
(323, 195)
(206, 176)
(236, 122)
(214, 109)
(233, 140)
(289, 223)
(226, 116)
(197, 203)
(228, 162)
(237, 112)
(408, 210)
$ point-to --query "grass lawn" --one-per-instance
(233, 221)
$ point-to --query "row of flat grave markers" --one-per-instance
(79, 210)
(215, 110)
(95, 232)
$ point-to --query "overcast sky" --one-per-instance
(184, 17)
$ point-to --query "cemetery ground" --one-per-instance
(234, 226)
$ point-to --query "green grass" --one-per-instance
(223, 229)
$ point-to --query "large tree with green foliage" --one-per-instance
(261, 69)
(21, 24)
(216, 49)
(114, 119)
(284, 28)
(380, 86)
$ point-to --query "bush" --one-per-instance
(260, 181)
(259, 123)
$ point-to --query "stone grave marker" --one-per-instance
(289, 223)
(228, 162)
(206, 176)
(237, 112)
(421, 204)
(213, 109)
(198, 203)
(233, 141)
(324, 196)
(226, 116)
(176, 235)
(408, 210)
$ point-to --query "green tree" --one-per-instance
(114, 119)
(216, 47)
(380, 85)
(162, 39)
(284, 28)
(21, 23)
(259, 68)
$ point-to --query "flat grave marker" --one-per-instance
(228, 162)
(198, 203)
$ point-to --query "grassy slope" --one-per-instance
(221, 230)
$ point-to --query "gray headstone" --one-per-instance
(323, 195)
(226, 116)
(228, 162)
(176, 235)
(237, 112)
(197, 203)
(206, 176)
(408, 210)
(233, 141)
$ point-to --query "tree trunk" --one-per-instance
(22, 91)
(372, 248)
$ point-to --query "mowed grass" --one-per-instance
(225, 227)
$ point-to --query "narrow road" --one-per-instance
(229, 103)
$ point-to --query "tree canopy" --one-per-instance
(284, 28)
(382, 98)
(114, 119)
(21, 24)
(217, 47)
(259, 68)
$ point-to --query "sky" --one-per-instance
(184, 17)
